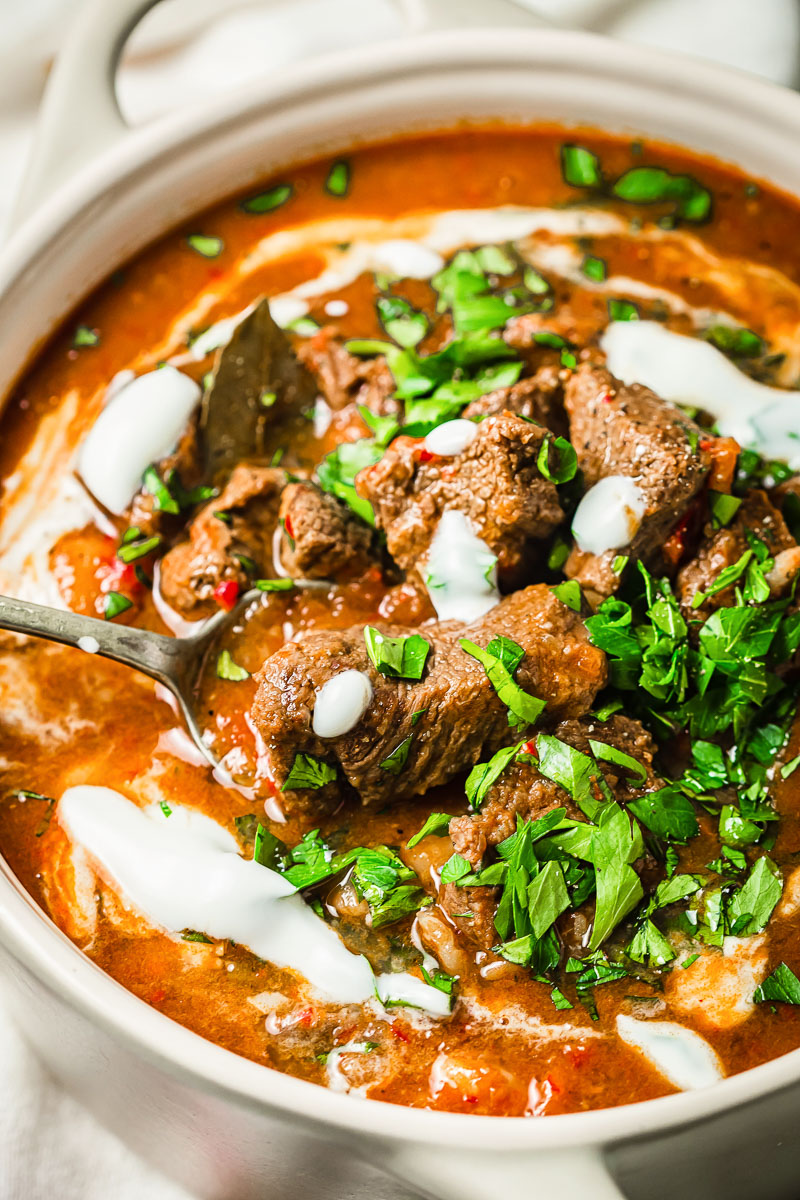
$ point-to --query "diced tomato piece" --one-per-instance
(306, 1018)
(425, 456)
(399, 1033)
(288, 526)
(226, 594)
(121, 577)
(724, 453)
(577, 1055)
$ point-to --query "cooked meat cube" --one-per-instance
(258, 364)
(229, 537)
(185, 462)
(322, 537)
(494, 482)
(538, 397)
(628, 431)
(721, 548)
(522, 792)
(445, 722)
(472, 910)
(345, 379)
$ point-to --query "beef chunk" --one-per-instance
(472, 910)
(185, 462)
(228, 536)
(538, 397)
(345, 379)
(495, 482)
(628, 430)
(521, 792)
(720, 548)
(322, 537)
(462, 718)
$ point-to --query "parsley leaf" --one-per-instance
(782, 986)
(483, 776)
(228, 669)
(437, 822)
(667, 813)
(524, 708)
(580, 167)
(398, 758)
(752, 906)
(398, 658)
(309, 772)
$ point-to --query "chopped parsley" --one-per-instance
(268, 201)
(782, 986)
(644, 185)
(594, 268)
(208, 247)
(337, 472)
(557, 460)
(398, 758)
(274, 585)
(308, 772)
(406, 325)
(398, 658)
(337, 182)
(580, 167)
(569, 593)
(523, 708)
(136, 545)
(114, 604)
(85, 336)
(436, 823)
(622, 310)
(230, 670)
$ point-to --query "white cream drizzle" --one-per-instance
(173, 620)
(337, 1080)
(682, 1056)
(461, 572)
(177, 743)
(341, 703)
(687, 370)
(140, 425)
(451, 437)
(184, 871)
(608, 515)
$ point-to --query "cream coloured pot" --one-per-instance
(95, 194)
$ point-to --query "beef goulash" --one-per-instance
(494, 437)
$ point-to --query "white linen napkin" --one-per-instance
(49, 1146)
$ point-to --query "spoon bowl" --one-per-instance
(176, 662)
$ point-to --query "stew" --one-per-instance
(496, 430)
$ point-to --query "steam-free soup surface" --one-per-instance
(499, 428)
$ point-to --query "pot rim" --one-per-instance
(28, 932)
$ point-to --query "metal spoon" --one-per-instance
(175, 662)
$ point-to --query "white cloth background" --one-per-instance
(50, 1147)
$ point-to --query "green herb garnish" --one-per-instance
(308, 772)
(267, 201)
(397, 658)
(228, 669)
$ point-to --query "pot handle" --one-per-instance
(79, 117)
(572, 1173)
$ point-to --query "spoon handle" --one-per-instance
(162, 658)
